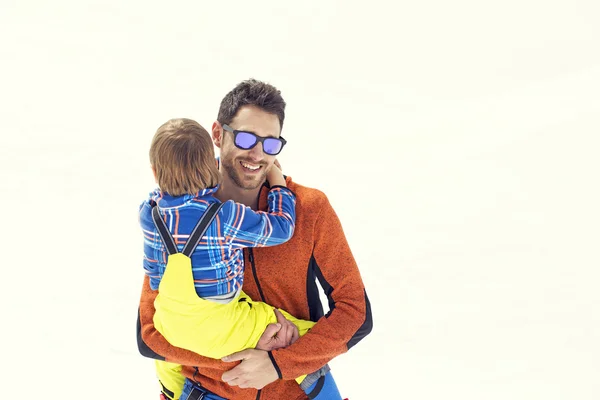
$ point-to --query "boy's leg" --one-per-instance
(262, 315)
(170, 378)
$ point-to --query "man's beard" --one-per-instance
(238, 178)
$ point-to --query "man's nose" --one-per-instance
(256, 153)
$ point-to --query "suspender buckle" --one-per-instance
(196, 394)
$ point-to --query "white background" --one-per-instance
(457, 141)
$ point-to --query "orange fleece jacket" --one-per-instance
(284, 276)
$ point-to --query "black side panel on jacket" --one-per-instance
(142, 346)
(316, 308)
(312, 293)
(324, 284)
(366, 327)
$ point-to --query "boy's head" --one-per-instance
(183, 158)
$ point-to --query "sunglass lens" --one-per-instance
(245, 140)
(272, 146)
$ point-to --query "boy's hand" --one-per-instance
(275, 176)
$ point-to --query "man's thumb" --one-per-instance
(240, 355)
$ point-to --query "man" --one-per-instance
(283, 276)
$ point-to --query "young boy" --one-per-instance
(199, 275)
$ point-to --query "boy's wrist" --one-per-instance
(277, 182)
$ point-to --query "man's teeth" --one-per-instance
(250, 166)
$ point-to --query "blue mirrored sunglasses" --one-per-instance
(246, 140)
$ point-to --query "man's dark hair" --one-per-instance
(252, 92)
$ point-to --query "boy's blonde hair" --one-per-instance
(183, 157)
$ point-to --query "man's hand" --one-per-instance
(255, 371)
(279, 335)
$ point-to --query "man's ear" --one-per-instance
(217, 134)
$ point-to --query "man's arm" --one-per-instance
(349, 319)
(256, 369)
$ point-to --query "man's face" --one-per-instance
(247, 168)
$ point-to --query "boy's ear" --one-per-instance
(154, 173)
(217, 134)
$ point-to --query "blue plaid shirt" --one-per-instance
(217, 261)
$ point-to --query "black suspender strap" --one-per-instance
(195, 236)
(163, 231)
(201, 227)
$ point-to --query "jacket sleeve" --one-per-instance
(349, 319)
(153, 345)
(244, 227)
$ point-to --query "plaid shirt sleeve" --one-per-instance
(244, 227)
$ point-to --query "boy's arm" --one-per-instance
(244, 227)
(349, 319)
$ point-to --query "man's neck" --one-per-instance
(228, 190)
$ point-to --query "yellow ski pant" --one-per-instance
(206, 327)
